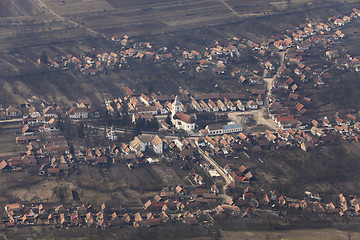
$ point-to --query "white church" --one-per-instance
(179, 119)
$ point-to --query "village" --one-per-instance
(217, 56)
(191, 127)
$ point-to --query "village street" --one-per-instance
(259, 114)
(219, 169)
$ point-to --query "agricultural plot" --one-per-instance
(8, 134)
(244, 7)
(146, 19)
(21, 8)
(77, 7)
(129, 3)
(7, 9)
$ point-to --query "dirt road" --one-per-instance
(258, 115)
(42, 4)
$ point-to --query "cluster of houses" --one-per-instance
(146, 107)
(344, 19)
(131, 154)
(344, 60)
(82, 216)
(214, 56)
(217, 102)
(245, 202)
(226, 144)
(11, 111)
(287, 105)
(95, 61)
(46, 145)
(37, 113)
(347, 125)
(312, 202)
(171, 205)
(174, 204)
(318, 132)
(311, 33)
(49, 150)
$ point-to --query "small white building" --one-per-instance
(110, 134)
(218, 129)
(252, 105)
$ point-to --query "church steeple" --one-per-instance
(176, 106)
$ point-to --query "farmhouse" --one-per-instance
(252, 105)
(285, 122)
(13, 112)
(50, 112)
(78, 113)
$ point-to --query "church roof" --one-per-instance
(184, 117)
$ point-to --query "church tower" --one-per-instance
(176, 106)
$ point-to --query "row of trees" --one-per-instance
(146, 125)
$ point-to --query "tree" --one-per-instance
(71, 149)
(139, 125)
(153, 124)
(59, 124)
(151, 88)
(168, 120)
(81, 131)
(125, 120)
(43, 58)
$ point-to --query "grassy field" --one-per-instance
(8, 134)
(7, 9)
(117, 186)
(328, 170)
(309, 234)
(178, 231)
